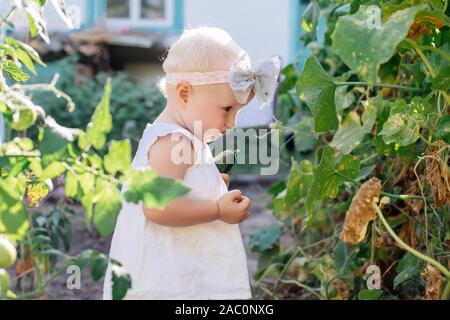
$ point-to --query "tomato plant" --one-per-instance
(364, 214)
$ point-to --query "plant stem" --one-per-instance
(406, 247)
(383, 85)
(401, 196)
(363, 161)
(446, 293)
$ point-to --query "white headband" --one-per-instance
(242, 76)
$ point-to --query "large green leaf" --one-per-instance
(100, 124)
(404, 122)
(343, 260)
(155, 192)
(328, 176)
(53, 170)
(107, 206)
(317, 88)
(364, 47)
(13, 215)
(400, 129)
(299, 182)
(265, 238)
(55, 139)
(409, 267)
(118, 157)
(351, 132)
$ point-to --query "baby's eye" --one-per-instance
(228, 109)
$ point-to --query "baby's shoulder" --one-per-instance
(171, 155)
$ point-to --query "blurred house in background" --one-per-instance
(133, 35)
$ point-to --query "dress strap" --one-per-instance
(155, 130)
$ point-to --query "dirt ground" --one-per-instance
(82, 240)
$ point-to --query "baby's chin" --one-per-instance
(212, 135)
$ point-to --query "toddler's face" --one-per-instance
(215, 106)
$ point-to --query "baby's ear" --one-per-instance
(183, 90)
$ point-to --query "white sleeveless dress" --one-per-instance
(204, 261)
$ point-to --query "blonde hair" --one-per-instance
(200, 49)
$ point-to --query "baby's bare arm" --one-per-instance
(182, 211)
(232, 207)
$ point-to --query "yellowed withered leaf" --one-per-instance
(361, 211)
(435, 280)
(438, 176)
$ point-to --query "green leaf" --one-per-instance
(351, 133)
(265, 238)
(86, 201)
(13, 216)
(316, 88)
(121, 282)
(71, 187)
(118, 157)
(107, 207)
(53, 170)
(299, 182)
(34, 55)
(310, 20)
(442, 80)
(343, 98)
(343, 260)
(369, 294)
(99, 264)
(409, 267)
(100, 124)
(36, 20)
(364, 47)
(290, 79)
(443, 130)
(55, 139)
(326, 181)
(14, 221)
(155, 192)
(84, 257)
(14, 72)
(304, 138)
(400, 129)
(26, 60)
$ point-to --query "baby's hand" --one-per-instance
(234, 207)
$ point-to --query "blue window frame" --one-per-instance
(132, 15)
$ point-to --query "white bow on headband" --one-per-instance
(262, 79)
(242, 77)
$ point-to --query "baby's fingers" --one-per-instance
(245, 203)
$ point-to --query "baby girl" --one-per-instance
(193, 249)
